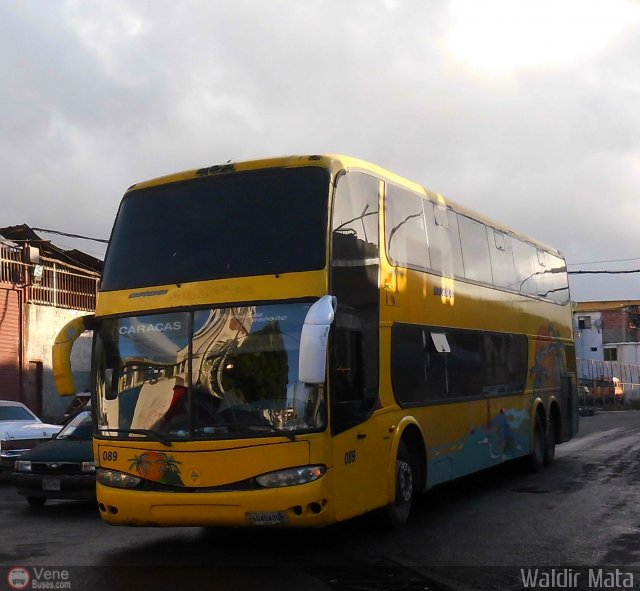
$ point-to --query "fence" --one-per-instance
(597, 378)
(53, 284)
(12, 268)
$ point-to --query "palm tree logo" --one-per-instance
(170, 470)
(158, 467)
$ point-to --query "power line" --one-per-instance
(602, 272)
(71, 235)
(600, 262)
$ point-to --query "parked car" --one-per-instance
(20, 430)
(63, 468)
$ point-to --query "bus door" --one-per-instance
(360, 445)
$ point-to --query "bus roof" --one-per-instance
(334, 163)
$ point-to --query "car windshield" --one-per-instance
(79, 427)
(16, 413)
(214, 373)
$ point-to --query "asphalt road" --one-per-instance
(477, 533)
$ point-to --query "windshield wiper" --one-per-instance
(148, 432)
(239, 425)
(273, 429)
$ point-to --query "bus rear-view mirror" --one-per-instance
(313, 341)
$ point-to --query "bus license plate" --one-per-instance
(267, 518)
(51, 484)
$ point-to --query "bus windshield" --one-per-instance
(213, 373)
(217, 227)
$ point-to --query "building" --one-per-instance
(42, 287)
(607, 335)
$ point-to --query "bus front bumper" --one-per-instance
(305, 505)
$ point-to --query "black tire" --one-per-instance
(536, 457)
(36, 501)
(550, 441)
(397, 513)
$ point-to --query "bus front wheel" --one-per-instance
(397, 513)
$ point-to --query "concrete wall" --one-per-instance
(629, 353)
(42, 324)
(588, 338)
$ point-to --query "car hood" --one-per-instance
(61, 450)
(27, 430)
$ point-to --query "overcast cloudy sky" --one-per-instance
(528, 111)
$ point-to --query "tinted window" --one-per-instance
(524, 255)
(231, 225)
(456, 246)
(406, 235)
(475, 250)
(502, 266)
(354, 282)
(355, 221)
(440, 364)
(551, 277)
(560, 280)
(444, 239)
(540, 273)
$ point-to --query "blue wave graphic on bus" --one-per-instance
(504, 437)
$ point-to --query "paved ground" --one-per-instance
(471, 534)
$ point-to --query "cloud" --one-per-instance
(525, 112)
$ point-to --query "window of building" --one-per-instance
(584, 322)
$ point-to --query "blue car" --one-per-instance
(62, 468)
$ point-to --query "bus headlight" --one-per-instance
(117, 479)
(22, 466)
(291, 476)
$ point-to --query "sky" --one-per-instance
(526, 111)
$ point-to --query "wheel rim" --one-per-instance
(404, 491)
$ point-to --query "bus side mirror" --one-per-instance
(61, 353)
(312, 366)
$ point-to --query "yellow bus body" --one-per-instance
(443, 432)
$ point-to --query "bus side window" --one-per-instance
(354, 282)
(348, 382)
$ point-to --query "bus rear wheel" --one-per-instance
(538, 447)
(397, 513)
(550, 441)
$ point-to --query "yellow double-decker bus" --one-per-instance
(297, 341)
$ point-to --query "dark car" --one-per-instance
(62, 468)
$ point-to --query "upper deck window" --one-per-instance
(241, 224)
